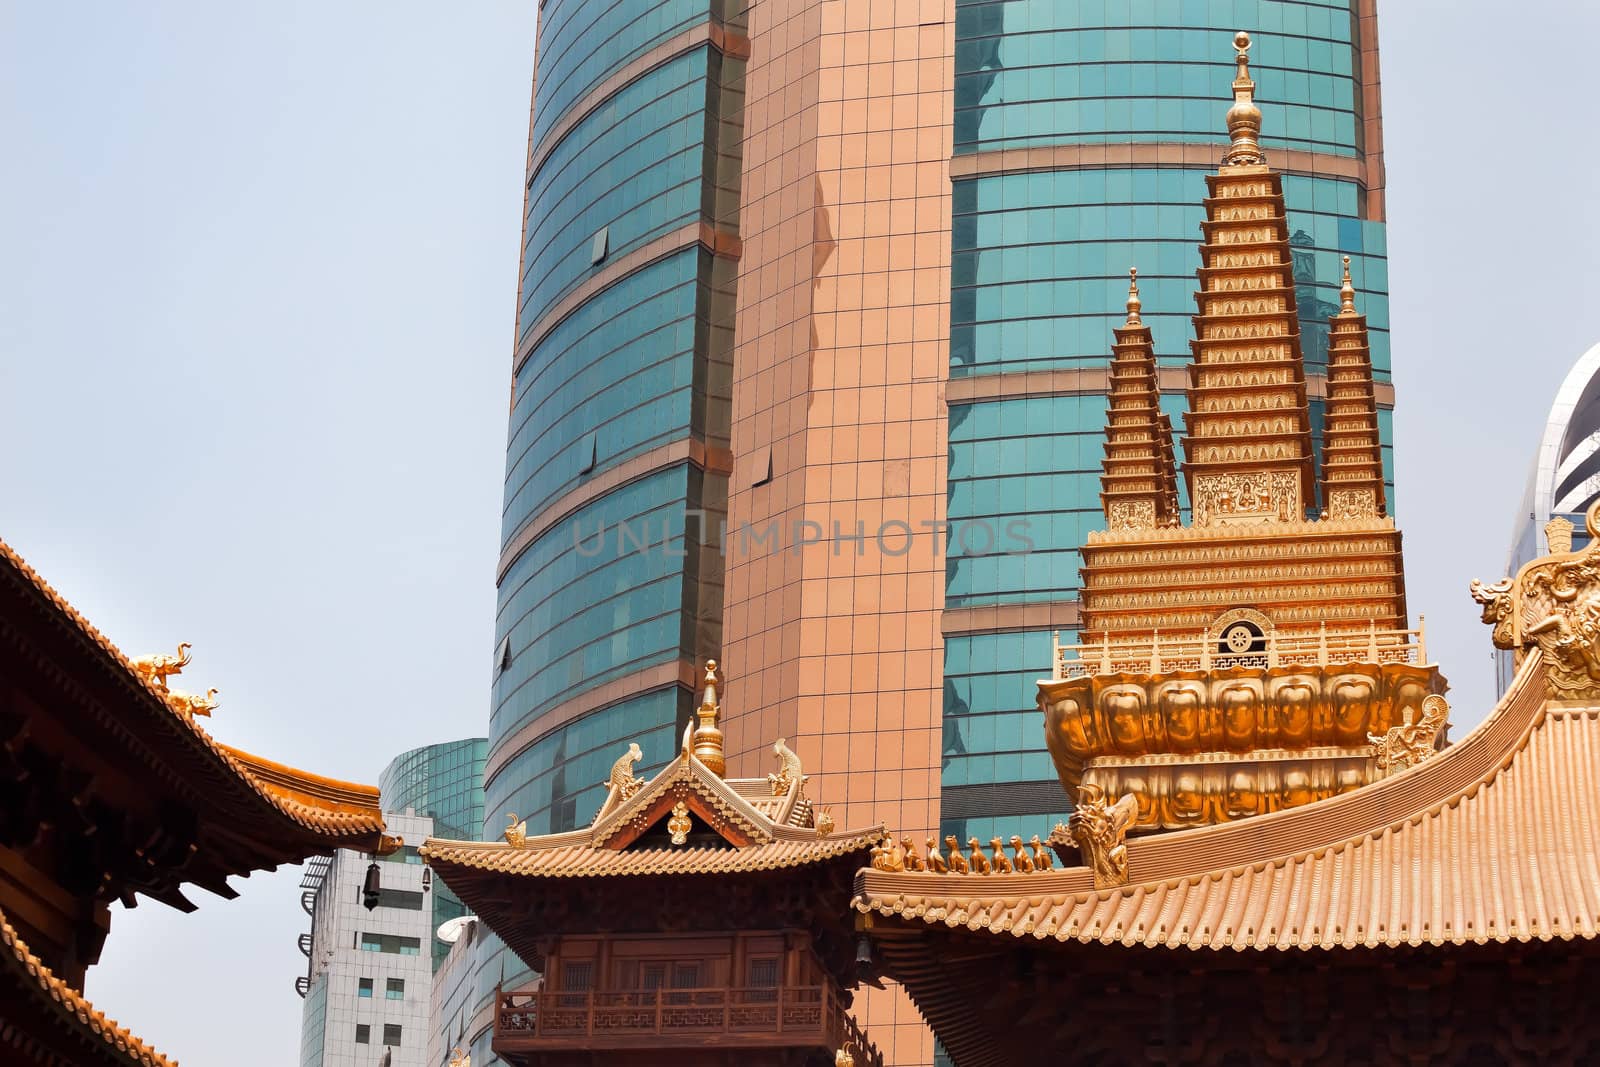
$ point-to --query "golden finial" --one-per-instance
(1347, 292)
(1134, 303)
(707, 738)
(1244, 118)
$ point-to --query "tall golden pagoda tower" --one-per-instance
(1238, 665)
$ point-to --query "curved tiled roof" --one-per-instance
(106, 1041)
(582, 860)
(1495, 839)
(323, 806)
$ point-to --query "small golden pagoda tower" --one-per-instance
(1238, 665)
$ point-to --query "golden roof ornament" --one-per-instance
(1347, 292)
(622, 783)
(789, 772)
(459, 1058)
(1134, 303)
(1244, 117)
(1410, 743)
(1558, 535)
(1097, 827)
(680, 824)
(707, 738)
(516, 831)
(191, 704)
(158, 668)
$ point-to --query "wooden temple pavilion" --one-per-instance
(110, 790)
(698, 921)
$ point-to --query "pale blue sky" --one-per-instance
(256, 310)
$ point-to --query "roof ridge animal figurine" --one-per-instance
(516, 831)
(936, 862)
(958, 862)
(979, 862)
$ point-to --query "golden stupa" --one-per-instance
(1246, 662)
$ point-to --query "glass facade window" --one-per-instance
(363, 1034)
(391, 1034)
(394, 943)
(581, 42)
(559, 779)
(612, 380)
(1039, 265)
(395, 989)
(364, 988)
(1146, 70)
(607, 591)
(635, 166)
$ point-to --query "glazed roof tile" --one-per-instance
(580, 859)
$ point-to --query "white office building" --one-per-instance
(369, 971)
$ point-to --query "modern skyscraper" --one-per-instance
(445, 784)
(842, 279)
(1565, 478)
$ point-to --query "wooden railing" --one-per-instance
(1306, 648)
(808, 1016)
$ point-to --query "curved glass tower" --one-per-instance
(1082, 134)
(610, 589)
(445, 783)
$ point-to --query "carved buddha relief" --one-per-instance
(1240, 703)
(1353, 697)
(1123, 709)
(1182, 704)
(1294, 701)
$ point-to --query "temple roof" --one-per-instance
(711, 852)
(755, 827)
(336, 813)
(45, 1020)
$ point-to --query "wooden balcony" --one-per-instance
(529, 1027)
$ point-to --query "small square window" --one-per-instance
(395, 989)
(363, 1034)
(364, 988)
(391, 1034)
(761, 466)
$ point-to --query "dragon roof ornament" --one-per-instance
(1553, 603)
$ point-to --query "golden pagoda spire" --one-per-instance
(1247, 447)
(1244, 117)
(1352, 455)
(1139, 483)
(707, 738)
